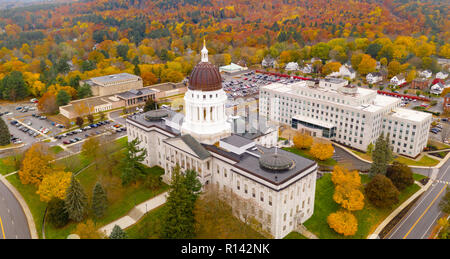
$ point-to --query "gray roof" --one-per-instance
(113, 78)
(198, 149)
(236, 140)
(135, 93)
(250, 162)
(142, 120)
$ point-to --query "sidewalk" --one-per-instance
(136, 213)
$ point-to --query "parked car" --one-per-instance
(65, 142)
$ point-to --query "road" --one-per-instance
(13, 223)
(421, 218)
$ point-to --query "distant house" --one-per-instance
(268, 61)
(344, 71)
(292, 66)
(307, 69)
(378, 65)
(315, 59)
(420, 83)
(373, 78)
(437, 88)
(232, 68)
(425, 73)
(441, 75)
(398, 79)
(446, 104)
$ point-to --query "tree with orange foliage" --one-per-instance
(343, 222)
(322, 151)
(35, 165)
(148, 78)
(47, 103)
(302, 140)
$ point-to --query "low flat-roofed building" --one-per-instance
(137, 97)
(112, 84)
(232, 68)
(165, 90)
(90, 105)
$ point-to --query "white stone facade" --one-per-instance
(358, 114)
(279, 208)
(206, 118)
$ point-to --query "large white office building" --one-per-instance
(277, 187)
(345, 113)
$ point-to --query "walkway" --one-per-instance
(136, 213)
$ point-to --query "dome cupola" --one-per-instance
(205, 76)
(275, 162)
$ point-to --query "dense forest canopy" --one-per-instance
(56, 45)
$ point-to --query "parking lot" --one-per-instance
(108, 127)
(27, 126)
(248, 84)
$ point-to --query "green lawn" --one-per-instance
(295, 235)
(121, 199)
(306, 154)
(424, 161)
(7, 165)
(143, 229)
(368, 218)
(418, 177)
(56, 149)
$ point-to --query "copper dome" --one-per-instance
(205, 77)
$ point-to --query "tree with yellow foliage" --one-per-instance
(54, 185)
(349, 198)
(302, 140)
(35, 165)
(342, 176)
(347, 188)
(322, 151)
(343, 222)
(331, 67)
(88, 230)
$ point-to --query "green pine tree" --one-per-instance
(76, 200)
(379, 163)
(118, 233)
(179, 220)
(388, 150)
(5, 137)
(99, 201)
(131, 167)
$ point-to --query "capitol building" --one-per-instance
(279, 186)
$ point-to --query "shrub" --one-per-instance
(381, 192)
(400, 174)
